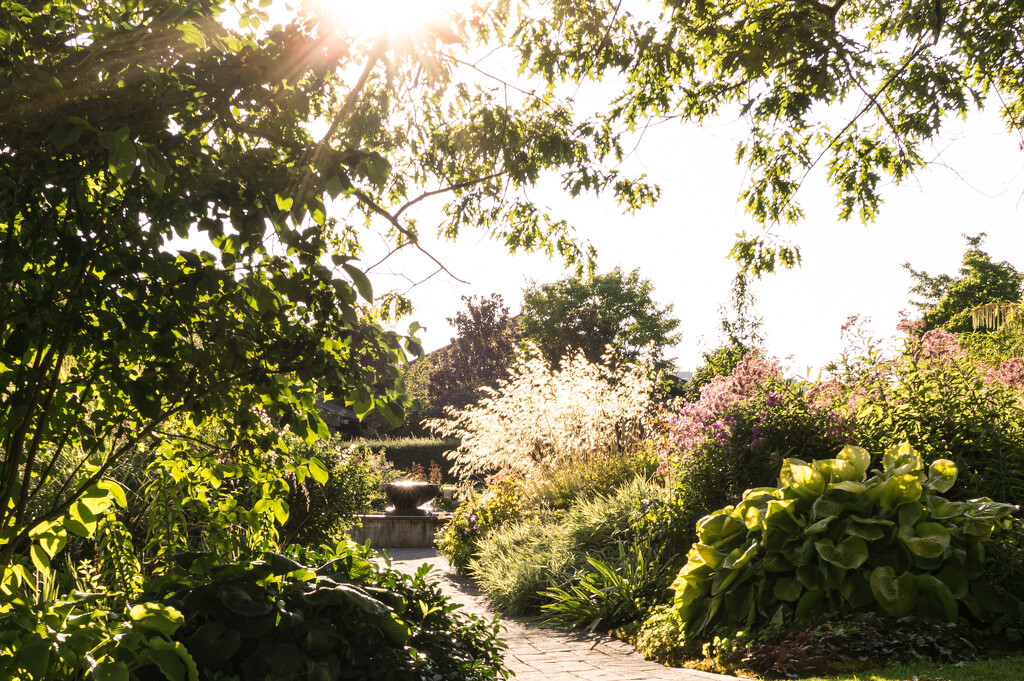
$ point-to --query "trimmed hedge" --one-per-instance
(405, 452)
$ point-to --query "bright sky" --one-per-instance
(682, 243)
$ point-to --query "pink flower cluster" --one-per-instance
(1010, 373)
(708, 418)
(941, 344)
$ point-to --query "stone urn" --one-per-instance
(406, 496)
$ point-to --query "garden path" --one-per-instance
(549, 653)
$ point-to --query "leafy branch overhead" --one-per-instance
(858, 88)
(127, 126)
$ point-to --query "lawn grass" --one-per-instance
(999, 669)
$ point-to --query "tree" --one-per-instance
(127, 124)
(479, 355)
(858, 87)
(949, 302)
(587, 315)
(741, 331)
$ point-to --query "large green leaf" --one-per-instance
(787, 589)
(718, 528)
(158, 617)
(897, 595)
(937, 600)
(850, 553)
(808, 482)
(900, 490)
(928, 540)
(708, 555)
(810, 605)
(902, 460)
(213, 644)
(941, 475)
(858, 458)
(245, 599)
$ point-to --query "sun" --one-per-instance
(392, 19)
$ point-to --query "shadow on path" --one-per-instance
(541, 653)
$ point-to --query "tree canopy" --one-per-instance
(859, 88)
(128, 124)
(479, 355)
(616, 309)
(949, 302)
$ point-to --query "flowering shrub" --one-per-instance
(942, 400)
(736, 435)
(541, 416)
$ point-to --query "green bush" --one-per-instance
(405, 453)
(661, 637)
(557, 487)
(832, 540)
(321, 513)
(944, 403)
(347, 619)
(475, 518)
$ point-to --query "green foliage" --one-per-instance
(606, 594)
(478, 356)
(128, 126)
(857, 89)
(273, 618)
(996, 668)
(578, 315)
(662, 637)
(348, 618)
(518, 562)
(831, 539)
(858, 642)
(404, 453)
(735, 435)
(718, 362)
(501, 503)
(80, 636)
(949, 302)
(320, 512)
(942, 401)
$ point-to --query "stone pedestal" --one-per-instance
(397, 532)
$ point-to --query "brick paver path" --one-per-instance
(542, 653)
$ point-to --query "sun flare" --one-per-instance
(390, 18)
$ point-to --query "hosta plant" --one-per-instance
(836, 538)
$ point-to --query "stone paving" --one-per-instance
(541, 653)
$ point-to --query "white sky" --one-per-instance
(682, 243)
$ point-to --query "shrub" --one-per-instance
(348, 618)
(661, 637)
(557, 487)
(734, 437)
(830, 539)
(943, 402)
(858, 642)
(605, 594)
(404, 453)
(321, 513)
(499, 504)
(542, 416)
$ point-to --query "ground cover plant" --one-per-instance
(833, 539)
